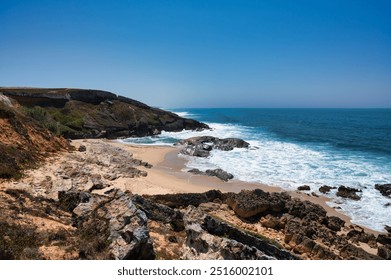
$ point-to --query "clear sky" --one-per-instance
(204, 53)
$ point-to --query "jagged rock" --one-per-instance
(348, 192)
(219, 173)
(70, 200)
(352, 252)
(195, 151)
(301, 239)
(117, 219)
(384, 189)
(304, 188)
(384, 239)
(305, 209)
(388, 229)
(185, 199)
(250, 203)
(270, 221)
(384, 252)
(160, 212)
(205, 240)
(335, 223)
(202, 145)
(326, 189)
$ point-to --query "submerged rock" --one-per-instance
(326, 189)
(304, 188)
(347, 192)
(219, 173)
(385, 189)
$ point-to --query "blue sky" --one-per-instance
(214, 53)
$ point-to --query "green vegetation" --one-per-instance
(58, 121)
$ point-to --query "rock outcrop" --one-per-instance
(80, 113)
(202, 145)
(384, 189)
(326, 189)
(347, 192)
(219, 173)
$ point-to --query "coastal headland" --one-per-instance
(103, 199)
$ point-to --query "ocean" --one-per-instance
(294, 147)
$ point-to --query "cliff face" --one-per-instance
(80, 113)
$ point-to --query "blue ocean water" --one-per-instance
(292, 147)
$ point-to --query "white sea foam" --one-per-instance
(290, 165)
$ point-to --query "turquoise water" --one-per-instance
(291, 147)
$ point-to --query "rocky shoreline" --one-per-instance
(77, 207)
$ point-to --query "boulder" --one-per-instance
(326, 189)
(385, 189)
(384, 239)
(335, 223)
(304, 188)
(219, 173)
(250, 203)
(384, 252)
(347, 192)
(202, 145)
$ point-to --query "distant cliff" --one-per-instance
(84, 113)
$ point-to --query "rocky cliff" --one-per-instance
(82, 113)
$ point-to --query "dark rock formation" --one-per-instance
(219, 173)
(304, 188)
(79, 113)
(250, 203)
(185, 199)
(352, 252)
(384, 239)
(347, 192)
(202, 145)
(384, 252)
(326, 189)
(385, 189)
(335, 223)
(160, 212)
